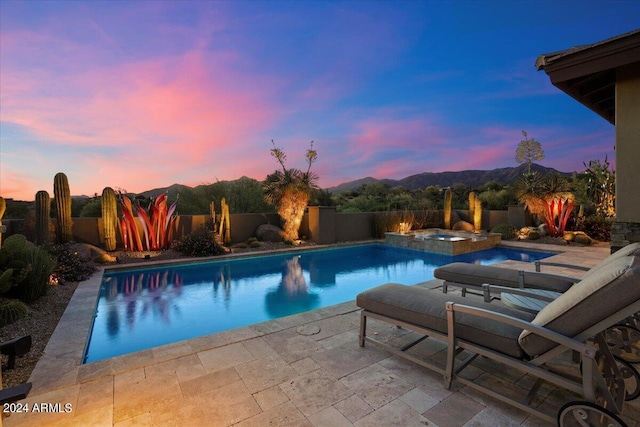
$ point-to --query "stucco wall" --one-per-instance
(628, 143)
(337, 227)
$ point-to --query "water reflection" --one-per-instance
(141, 295)
(140, 309)
(292, 295)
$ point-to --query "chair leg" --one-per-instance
(363, 328)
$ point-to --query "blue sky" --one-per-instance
(138, 95)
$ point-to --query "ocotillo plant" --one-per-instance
(472, 205)
(43, 212)
(447, 209)
(3, 207)
(477, 215)
(109, 217)
(62, 194)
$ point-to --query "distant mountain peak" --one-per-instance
(471, 178)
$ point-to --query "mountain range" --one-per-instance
(471, 178)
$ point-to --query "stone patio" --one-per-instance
(302, 370)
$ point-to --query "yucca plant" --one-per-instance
(548, 197)
(290, 190)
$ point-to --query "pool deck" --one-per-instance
(302, 370)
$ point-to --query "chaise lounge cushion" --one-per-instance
(630, 250)
(426, 308)
(463, 273)
(605, 292)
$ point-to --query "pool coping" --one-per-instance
(61, 363)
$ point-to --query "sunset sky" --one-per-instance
(139, 95)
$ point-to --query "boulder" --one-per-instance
(463, 225)
(269, 233)
(543, 229)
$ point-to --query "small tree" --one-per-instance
(529, 150)
(601, 187)
(290, 190)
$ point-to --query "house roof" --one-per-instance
(588, 73)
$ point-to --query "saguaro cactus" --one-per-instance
(109, 217)
(43, 212)
(447, 209)
(3, 207)
(477, 215)
(225, 224)
(62, 195)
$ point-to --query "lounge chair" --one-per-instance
(574, 322)
(15, 347)
(13, 394)
(474, 276)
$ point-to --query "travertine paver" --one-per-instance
(329, 417)
(354, 408)
(454, 411)
(395, 413)
(315, 391)
(347, 359)
(224, 357)
(376, 385)
(270, 375)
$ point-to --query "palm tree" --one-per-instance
(290, 191)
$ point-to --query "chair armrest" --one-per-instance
(570, 343)
(527, 292)
(554, 276)
(540, 263)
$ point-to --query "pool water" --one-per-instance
(143, 308)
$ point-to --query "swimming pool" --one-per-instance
(139, 309)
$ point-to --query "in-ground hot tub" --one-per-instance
(449, 242)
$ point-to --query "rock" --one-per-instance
(569, 236)
(533, 235)
(543, 229)
(582, 239)
(269, 233)
(105, 258)
(463, 225)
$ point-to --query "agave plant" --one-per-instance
(548, 197)
(290, 190)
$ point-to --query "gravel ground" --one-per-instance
(40, 322)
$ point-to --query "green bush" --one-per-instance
(70, 265)
(255, 244)
(201, 242)
(596, 227)
(507, 231)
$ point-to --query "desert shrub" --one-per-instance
(30, 268)
(201, 242)
(507, 231)
(596, 227)
(70, 265)
(11, 310)
(38, 265)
